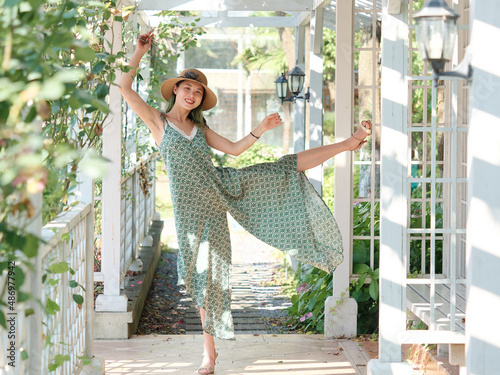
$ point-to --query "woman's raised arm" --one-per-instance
(148, 114)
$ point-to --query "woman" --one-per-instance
(273, 201)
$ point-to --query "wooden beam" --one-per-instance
(317, 30)
(303, 18)
(229, 5)
(321, 3)
(242, 21)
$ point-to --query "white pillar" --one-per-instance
(316, 100)
(111, 300)
(341, 319)
(239, 108)
(299, 125)
(248, 104)
(393, 212)
(483, 223)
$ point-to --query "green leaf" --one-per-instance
(361, 281)
(359, 269)
(52, 89)
(78, 299)
(320, 326)
(3, 322)
(21, 296)
(30, 248)
(360, 253)
(101, 90)
(11, 3)
(312, 302)
(20, 277)
(59, 267)
(29, 312)
(373, 290)
(73, 284)
(84, 54)
(375, 274)
(70, 75)
(98, 67)
(51, 307)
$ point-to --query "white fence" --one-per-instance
(68, 326)
(137, 209)
(136, 212)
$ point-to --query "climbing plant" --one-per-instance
(55, 76)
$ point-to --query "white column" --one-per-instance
(483, 223)
(299, 125)
(316, 100)
(342, 319)
(30, 332)
(248, 104)
(111, 300)
(393, 212)
(239, 111)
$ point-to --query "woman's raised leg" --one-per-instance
(209, 354)
(311, 158)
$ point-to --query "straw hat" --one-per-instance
(195, 75)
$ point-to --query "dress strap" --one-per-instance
(205, 125)
(163, 117)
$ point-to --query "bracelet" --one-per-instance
(254, 135)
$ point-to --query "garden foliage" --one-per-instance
(55, 75)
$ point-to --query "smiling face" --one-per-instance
(189, 94)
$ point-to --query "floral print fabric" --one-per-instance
(272, 201)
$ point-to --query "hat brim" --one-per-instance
(167, 89)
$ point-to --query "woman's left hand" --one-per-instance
(272, 121)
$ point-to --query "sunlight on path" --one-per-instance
(248, 354)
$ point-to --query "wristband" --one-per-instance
(254, 135)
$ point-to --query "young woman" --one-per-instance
(273, 201)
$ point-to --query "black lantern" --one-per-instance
(281, 87)
(436, 31)
(295, 85)
(297, 77)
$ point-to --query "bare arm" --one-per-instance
(223, 144)
(148, 114)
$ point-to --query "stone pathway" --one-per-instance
(252, 304)
(255, 307)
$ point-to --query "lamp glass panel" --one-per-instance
(419, 34)
(281, 89)
(451, 32)
(296, 84)
(434, 37)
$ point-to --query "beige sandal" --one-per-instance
(368, 131)
(210, 369)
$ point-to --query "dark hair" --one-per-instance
(196, 115)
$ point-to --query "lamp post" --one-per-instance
(295, 85)
(436, 31)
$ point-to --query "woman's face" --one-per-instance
(189, 94)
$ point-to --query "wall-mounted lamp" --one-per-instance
(436, 32)
(296, 84)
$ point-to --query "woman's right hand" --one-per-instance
(144, 42)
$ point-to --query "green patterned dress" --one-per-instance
(272, 201)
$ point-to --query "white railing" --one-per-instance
(137, 209)
(68, 327)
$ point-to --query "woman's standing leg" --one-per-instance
(209, 354)
(311, 158)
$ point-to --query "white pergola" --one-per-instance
(483, 167)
